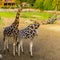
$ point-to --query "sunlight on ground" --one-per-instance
(54, 28)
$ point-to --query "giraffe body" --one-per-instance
(28, 33)
(12, 31)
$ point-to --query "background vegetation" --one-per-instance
(27, 15)
(42, 4)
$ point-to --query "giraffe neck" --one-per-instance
(16, 22)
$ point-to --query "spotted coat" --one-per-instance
(28, 33)
(12, 31)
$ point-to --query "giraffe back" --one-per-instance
(29, 32)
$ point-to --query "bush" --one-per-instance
(39, 4)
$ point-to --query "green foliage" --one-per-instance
(39, 4)
(7, 14)
(42, 4)
(17, 1)
(36, 15)
(48, 4)
(31, 2)
(53, 4)
(23, 0)
(27, 15)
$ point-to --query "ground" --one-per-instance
(46, 45)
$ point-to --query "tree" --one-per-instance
(39, 4)
(18, 1)
(48, 4)
(31, 2)
(54, 4)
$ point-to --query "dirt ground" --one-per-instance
(46, 45)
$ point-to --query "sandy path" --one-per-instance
(46, 45)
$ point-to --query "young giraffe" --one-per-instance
(28, 32)
(12, 31)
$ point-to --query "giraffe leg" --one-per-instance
(4, 44)
(19, 49)
(31, 46)
(14, 45)
(7, 46)
(21, 44)
(5, 40)
(14, 48)
(4, 47)
(17, 43)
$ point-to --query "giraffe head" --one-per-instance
(35, 25)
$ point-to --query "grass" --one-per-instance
(7, 14)
(36, 15)
(27, 15)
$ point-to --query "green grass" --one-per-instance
(36, 15)
(7, 14)
(27, 15)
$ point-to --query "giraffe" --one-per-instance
(27, 33)
(12, 31)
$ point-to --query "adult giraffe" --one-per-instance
(12, 31)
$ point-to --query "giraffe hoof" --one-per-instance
(31, 56)
(8, 50)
